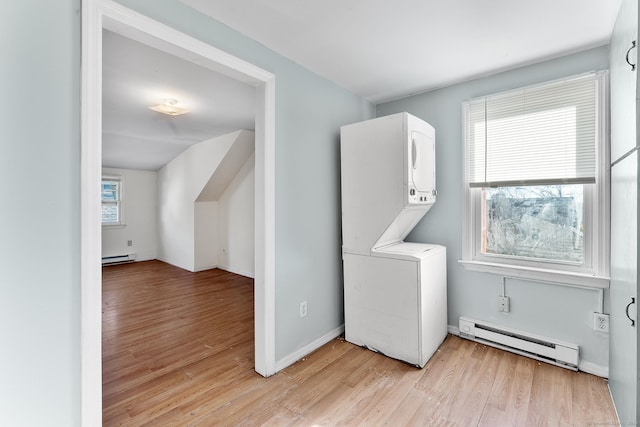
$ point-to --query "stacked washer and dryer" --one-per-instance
(395, 292)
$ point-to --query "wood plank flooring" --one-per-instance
(178, 351)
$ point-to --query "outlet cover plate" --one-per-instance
(601, 322)
(303, 309)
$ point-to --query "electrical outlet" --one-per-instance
(129, 242)
(303, 309)
(601, 322)
(503, 304)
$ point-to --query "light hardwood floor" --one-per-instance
(178, 351)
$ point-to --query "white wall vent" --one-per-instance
(116, 259)
(524, 343)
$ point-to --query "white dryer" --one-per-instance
(395, 291)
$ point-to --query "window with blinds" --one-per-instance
(539, 135)
(536, 188)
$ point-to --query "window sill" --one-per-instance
(563, 278)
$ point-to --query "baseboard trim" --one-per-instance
(584, 366)
(141, 259)
(205, 268)
(234, 271)
(168, 261)
(593, 369)
(309, 348)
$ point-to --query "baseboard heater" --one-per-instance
(117, 259)
(540, 348)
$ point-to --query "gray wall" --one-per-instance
(40, 162)
(40, 215)
(550, 310)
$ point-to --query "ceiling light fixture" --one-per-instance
(169, 107)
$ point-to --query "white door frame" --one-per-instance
(99, 14)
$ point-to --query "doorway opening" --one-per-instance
(106, 14)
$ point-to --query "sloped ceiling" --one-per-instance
(135, 77)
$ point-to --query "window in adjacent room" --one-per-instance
(111, 196)
(536, 190)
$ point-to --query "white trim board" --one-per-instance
(99, 14)
(292, 358)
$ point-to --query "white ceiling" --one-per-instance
(380, 50)
(384, 50)
(135, 77)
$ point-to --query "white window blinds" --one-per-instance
(541, 135)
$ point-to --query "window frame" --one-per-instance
(594, 272)
(119, 202)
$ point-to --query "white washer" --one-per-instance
(396, 301)
(395, 292)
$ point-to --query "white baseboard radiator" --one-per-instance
(540, 348)
(117, 259)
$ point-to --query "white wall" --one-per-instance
(555, 311)
(180, 183)
(205, 235)
(236, 208)
(175, 215)
(187, 222)
(140, 215)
